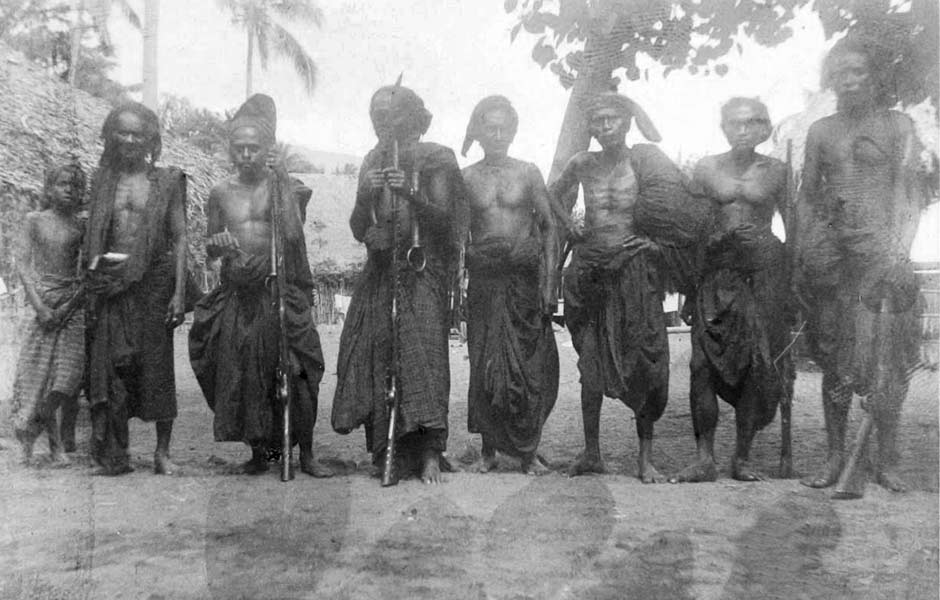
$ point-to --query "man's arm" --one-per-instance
(563, 193)
(177, 226)
(26, 271)
(543, 213)
(909, 192)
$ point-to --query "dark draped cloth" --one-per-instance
(130, 358)
(513, 356)
(423, 323)
(614, 311)
(50, 360)
(233, 342)
(741, 319)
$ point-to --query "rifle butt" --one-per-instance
(389, 473)
(852, 480)
(786, 440)
(286, 472)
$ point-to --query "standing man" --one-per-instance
(740, 323)
(233, 343)
(51, 364)
(859, 209)
(431, 197)
(136, 247)
(511, 296)
(614, 284)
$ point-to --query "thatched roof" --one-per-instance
(46, 122)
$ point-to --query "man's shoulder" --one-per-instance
(434, 155)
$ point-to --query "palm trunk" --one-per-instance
(574, 136)
(251, 53)
(150, 74)
(75, 41)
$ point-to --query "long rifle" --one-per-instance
(278, 280)
(851, 484)
(392, 399)
(786, 402)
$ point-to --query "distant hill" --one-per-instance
(329, 161)
(332, 246)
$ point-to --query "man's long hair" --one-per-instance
(110, 158)
(884, 87)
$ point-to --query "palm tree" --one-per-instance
(260, 19)
(150, 72)
(98, 11)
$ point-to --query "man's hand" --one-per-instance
(548, 303)
(175, 312)
(575, 232)
(223, 243)
(377, 238)
(46, 317)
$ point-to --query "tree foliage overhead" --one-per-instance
(574, 37)
(263, 21)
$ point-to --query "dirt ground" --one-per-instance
(209, 533)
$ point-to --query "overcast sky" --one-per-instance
(453, 53)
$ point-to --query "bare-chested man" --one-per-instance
(438, 205)
(511, 294)
(136, 247)
(51, 364)
(233, 343)
(740, 326)
(859, 208)
(614, 284)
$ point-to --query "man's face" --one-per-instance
(131, 138)
(608, 126)
(496, 132)
(851, 78)
(388, 120)
(745, 126)
(248, 151)
(62, 195)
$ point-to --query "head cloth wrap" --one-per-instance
(408, 103)
(628, 108)
(476, 119)
(259, 112)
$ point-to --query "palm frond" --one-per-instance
(262, 32)
(299, 11)
(233, 7)
(285, 44)
(130, 15)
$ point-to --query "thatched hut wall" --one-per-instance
(45, 122)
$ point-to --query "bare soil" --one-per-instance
(210, 533)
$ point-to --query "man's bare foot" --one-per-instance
(649, 474)
(162, 465)
(699, 471)
(57, 458)
(742, 470)
(26, 441)
(431, 471)
(313, 468)
(890, 480)
(534, 465)
(485, 464)
(255, 466)
(828, 476)
(586, 463)
(114, 471)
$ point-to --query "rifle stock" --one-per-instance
(852, 480)
(278, 279)
(389, 473)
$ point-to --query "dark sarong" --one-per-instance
(50, 360)
(513, 356)
(741, 322)
(423, 324)
(233, 349)
(614, 310)
(130, 358)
